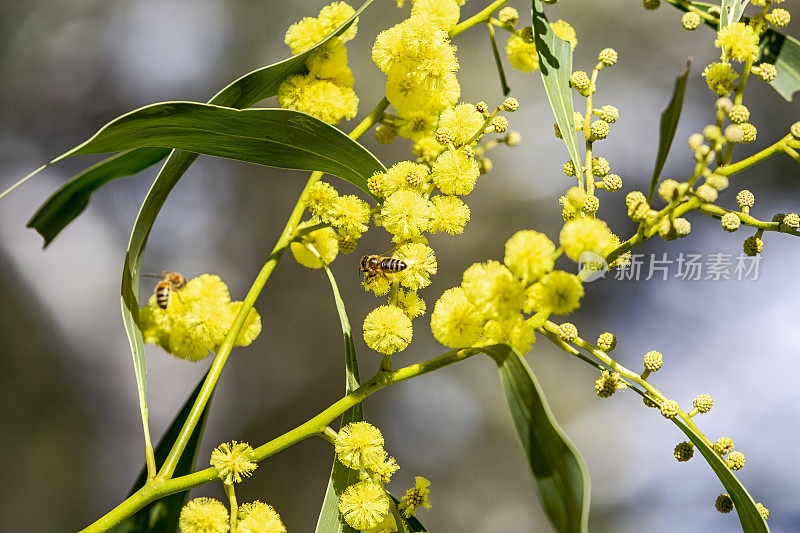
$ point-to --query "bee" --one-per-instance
(170, 281)
(381, 264)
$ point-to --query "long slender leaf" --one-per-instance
(161, 516)
(669, 125)
(751, 519)
(69, 200)
(341, 477)
(244, 92)
(555, 65)
(498, 63)
(732, 11)
(274, 137)
(781, 50)
(241, 93)
(558, 468)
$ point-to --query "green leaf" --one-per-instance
(71, 199)
(341, 477)
(669, 125)
(751, 519)
(555, 65)
(784, 52)
(161, 516)
(244, 92)
(499, 64)
(558, 468)
(241, 93)
(280, 138)
(732, 11)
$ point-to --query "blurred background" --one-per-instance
(71, 433)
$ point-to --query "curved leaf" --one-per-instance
(240, 93)
(668, 126)
(71, 199)
(750, 518)
(161, 516)
(274, 137)
(341, 477)
(555, 65)
(244, 92)
(558, 468)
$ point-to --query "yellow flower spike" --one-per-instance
(463, 121)
(444, 13)
(203, 515)
(405, 214)
(325, 242)
(529, 255)
(359, 445)
(417, 496)
(455, 173)
(234, 461)
(363, 505)
(387, 330)
(421, 265)
(493, 289)
(585, 235)
(738, 41)
(522, 55)
(558, 291)
(259, 517)
(455, 322)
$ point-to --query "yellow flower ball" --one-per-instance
(387, 330)
(558, 291)
(493, 289)
(529, 255)
(455, 322)
(585, 235)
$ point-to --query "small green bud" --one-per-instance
(609, 113)
(690, 21)
(651, 4)
(569, 168)
(527, 34)
(684, 451)
(608, 57)
(385, 134)
(568, 332)
(508, 15)
(580, 81)
(763, 511)
(792, 220)
(669, 408)
(600, 166)
(591, 204)
(779, 18)
(500, 124)
(745, 199)
(724, 503)
(753, 246)
(730, 222)
(735, 460)
(612, 182)
(718, 181)
(653, 360)
(703, 403)
(599, 129)
(444, 136)
(481, 107)
(513, 138)
(749, 132)
(707, 193)
(668, 189)
(510, 104)
(795, 131)
(723, 445)
(767, 72)
(607, 342)
(739, 114)
(346, 243)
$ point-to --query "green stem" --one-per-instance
(717, 212)
(735, 168)
(285, 239)
(315, 426)
(231, 493)
(482, 16)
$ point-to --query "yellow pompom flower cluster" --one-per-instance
(326, 92)
(490, 305)
(365, 505)
(521, 52)
(738, 41)
(347, 213)
(259, 517)
(234, 461)
(204, 515)
(196, 319)
(418, 59)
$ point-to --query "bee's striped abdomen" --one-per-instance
(391, 264)
(162, 295)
